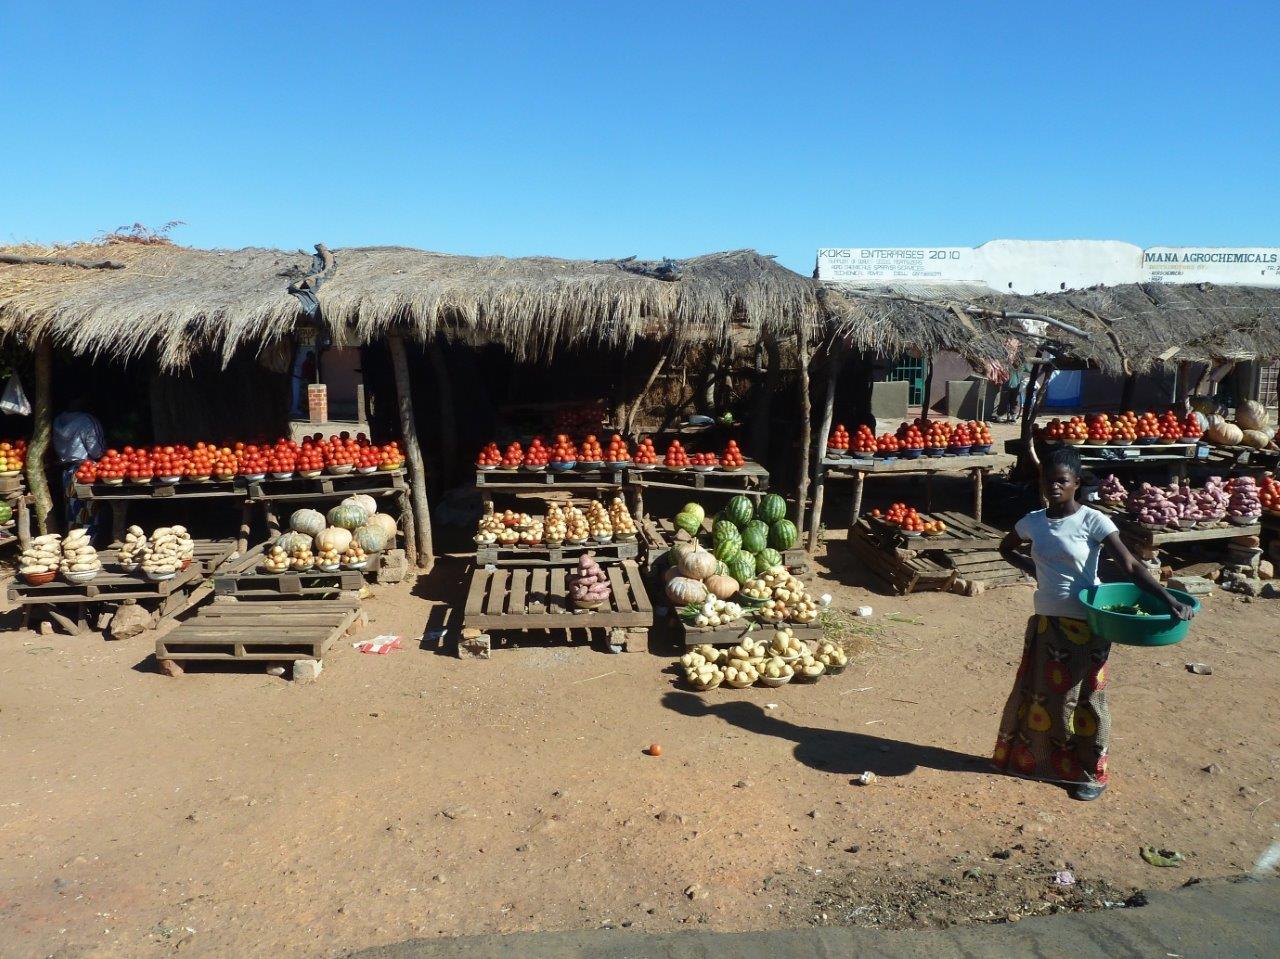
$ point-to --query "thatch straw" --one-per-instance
(178, 300)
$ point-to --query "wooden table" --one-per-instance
(1176, 458)
(751, 480)
(110, 586)
(859, 469)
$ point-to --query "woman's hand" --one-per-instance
(1181, 611)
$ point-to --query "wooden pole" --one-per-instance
(928, 392)
(425, 558)
(806, 429)
(633, 407)
(41, 431)
(834, 357)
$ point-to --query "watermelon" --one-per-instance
(691, 523)
(743, 567)
(768, 559)
(755, 536)
(6, 512)
(727, 552)
(771, 509)
(782, 534)
(723, 531)
(738, 511)
(694, 509)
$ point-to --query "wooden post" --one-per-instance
(834, 358)
(928, 393)
(413, 454)
(979, 475)
(632, 407)
(41, 431)
(806, 428)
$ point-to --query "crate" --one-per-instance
(734, 633)
(898, 570)
(244, 580)
(380, 484)
(263, 631)
(523, 598)
(12, 484)
(554, 555)
(963, 533)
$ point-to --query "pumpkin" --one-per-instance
(682, 591)
(309, 521)
(675, 552)
(364, 501)
(348, 515)
(1212, 419)
(1252, 415)
(722, 587)
(334, 537)
(1224, 434)
(1258, 439)
(671, 573)
(371, 539)
(293, 541)
(697, 564)
(386, 523)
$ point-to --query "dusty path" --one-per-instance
(414, 795)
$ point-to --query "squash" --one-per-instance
(682, 591)
(363, 500)
(386, 523)
(309, 521)
(1224, 434)
(1258, 439)
(334, 537)
(293, 541)
(722, 587)
(697, 564)
(1252, 415)
(1213, 419)
(371, 539)
(671, 573)
(348, 516)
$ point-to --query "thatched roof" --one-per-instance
(1150, 323)
(178, 300)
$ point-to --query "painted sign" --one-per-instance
(1046, 266)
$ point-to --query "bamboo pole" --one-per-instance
(633, 407)
(806, 429)
(425, 558)
(41, 431)
(834, 358)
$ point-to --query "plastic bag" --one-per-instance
(15, 398)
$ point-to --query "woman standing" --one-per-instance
(1056, 724)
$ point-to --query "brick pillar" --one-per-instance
(318, 403)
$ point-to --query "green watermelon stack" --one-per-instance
(746, 539)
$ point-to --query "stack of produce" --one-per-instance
(40, 559)
(1170, 426)
(1213, 499)
(186, 546)
(864, 441)
(1124, 429)
(1150, 506)
(838, 441)
(701, 673)
(563, 452)
(133, 549)
(910, 437)
(1148, 428)
(676, 458)
(282, 459)
(488, 530)
(164, 554)
(1192, 428)
(299, 547)
(778, 669)
(509, 536)
(832, 656)
(961, 440)
(598, 525)
(732, 459)
(275, 560)
(1245, 505)
(645, 455)
(887, 445)
(328, 557)
(784, 644)
(908, 518)
(553, 526)
(536, 456)
(808, 668)
(532, 534)
(617, 451)
(981, 433)
(1111, 490)
(13, 456)
(704, 460)
(354, 557)
(588, 583)
(1179, 496)
(310, 460)
(624, 527)
(513, 458)
(1100, 432)
(739, 674)
(576, 527)
(1269, 494)
(789, 601)
(591, 452)
(490, 457)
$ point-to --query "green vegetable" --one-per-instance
(782, 534)
(743, 567)
(727, 552)
(768, 559)
(724, 531)
(694, 509)
(738, 511)
(691, 523)
(755, 536)
(1128, 609)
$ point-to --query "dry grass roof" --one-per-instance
(178, 300)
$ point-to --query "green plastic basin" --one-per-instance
(1158, 628)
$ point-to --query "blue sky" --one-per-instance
(594, 130)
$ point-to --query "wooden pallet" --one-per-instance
(377, 485)
(553, 555)
(520, 598)
(900, 571)
(751, 480)
(987, 567)
(267, 631)
(734, 633)
(244, 580)
(109, 586)
(662, 534)
(963, 532)
(12, 485)
(517, 480)
(209, 554)
(140, 492)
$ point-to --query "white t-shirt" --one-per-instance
(1066, 553)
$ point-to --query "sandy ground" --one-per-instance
(415, 795)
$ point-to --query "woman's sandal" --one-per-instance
(1087, 792)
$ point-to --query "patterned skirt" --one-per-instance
(1056, 724)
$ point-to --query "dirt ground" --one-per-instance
(414, 794)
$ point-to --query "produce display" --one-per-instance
(39, 560)
(591, 453)
(206, 461)
(588, 584)
(624, 526)
(536, 456)
(1111, 490)
(1181, 505)
(1245, 506)
(13, 456)
(676, 458)
(789, 601)
(909, 520)
(1269, 494)
(133, 549)
(838, 441)
(887, 445)
(913, 439)
(275, 560)
(599, 526)
(617, 452)
(772, 663)
(645, 455)
(554, 528)
(167, 550)
(563, 453)
(1124, 429)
